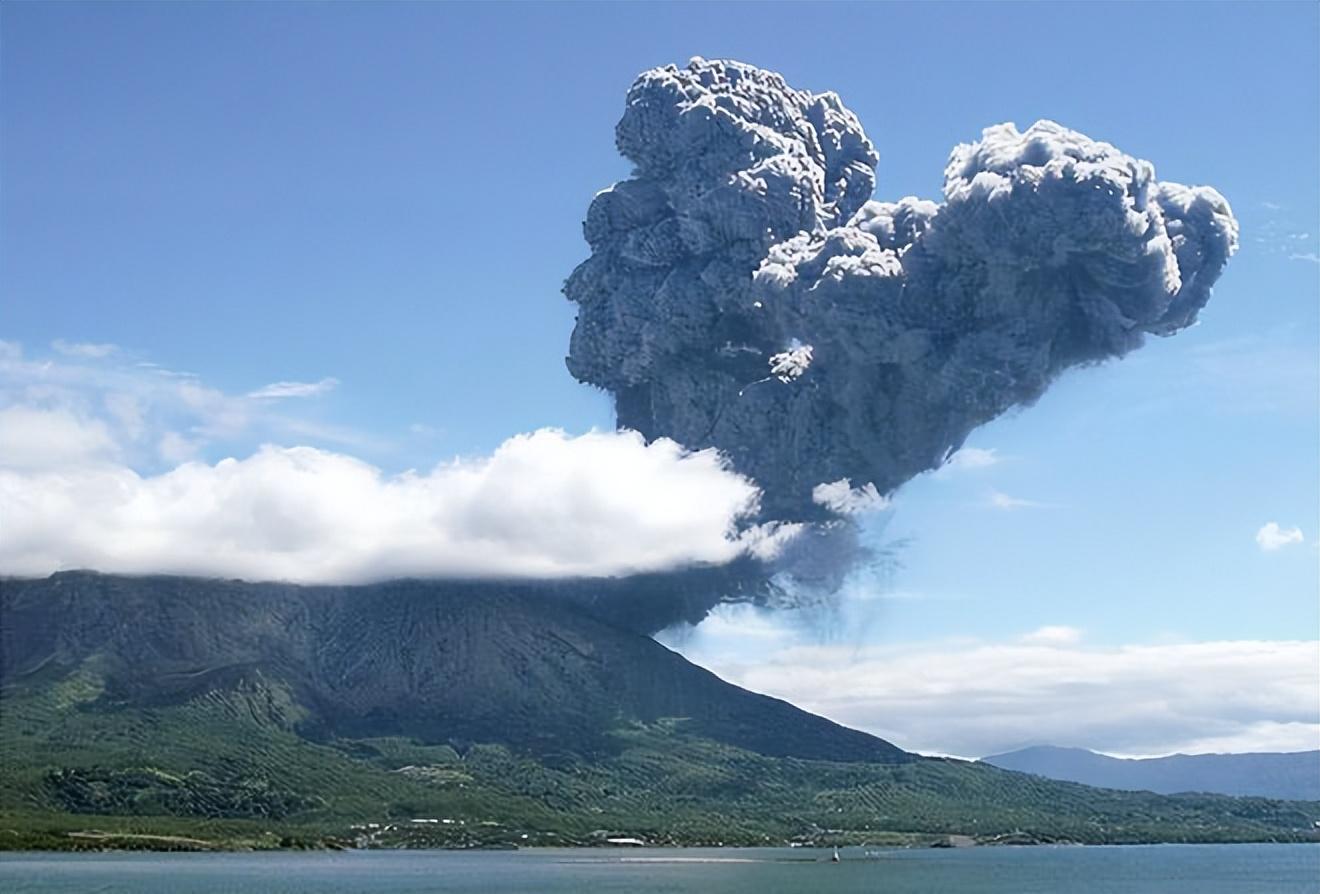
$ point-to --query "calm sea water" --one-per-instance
(1203, 869)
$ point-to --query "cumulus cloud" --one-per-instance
(281, 390)
(32, 438)
(543, 505)
(1271, 538)
(110, 463)
(973, 697)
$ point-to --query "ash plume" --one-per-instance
(744, 292)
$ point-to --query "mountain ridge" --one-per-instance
(1294, 775)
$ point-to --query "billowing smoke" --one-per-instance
(744, 291)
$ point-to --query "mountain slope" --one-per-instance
(177, 712)
(1289, 775)
(440, 662)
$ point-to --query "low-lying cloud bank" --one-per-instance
(542, 505)
(100, 468)
(976, 697)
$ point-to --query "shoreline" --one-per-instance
(94, 841)
(639, 860)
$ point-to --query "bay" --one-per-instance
(1203, 869)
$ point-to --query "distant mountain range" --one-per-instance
(180, 712)
(1293, 775)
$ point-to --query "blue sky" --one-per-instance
(390, 197)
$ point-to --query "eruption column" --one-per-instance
(744, 291)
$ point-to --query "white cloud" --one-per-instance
(85, 350)
(1271, 537)
(1263, 735)
(422, 430)
(999, 500)
(975, 697)
(542, 505)
(98, 470)
(967, 459)
(281, 390)
(126, 410)
(138, 402)
(174, 448)
(34, 438)
(1053, 635)
(841, 497)
(1305, 256)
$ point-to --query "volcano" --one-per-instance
(181, 712)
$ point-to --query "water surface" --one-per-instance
(1203, 869)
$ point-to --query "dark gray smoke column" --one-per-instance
(743, 293)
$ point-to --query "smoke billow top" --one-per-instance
(745, 292)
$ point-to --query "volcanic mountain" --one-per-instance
(449, 662)
(179, 712)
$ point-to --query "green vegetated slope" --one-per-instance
(247, 753)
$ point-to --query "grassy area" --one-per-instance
(229, 769)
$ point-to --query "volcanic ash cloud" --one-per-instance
(744, 292)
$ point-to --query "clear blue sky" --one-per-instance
(391, 195)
